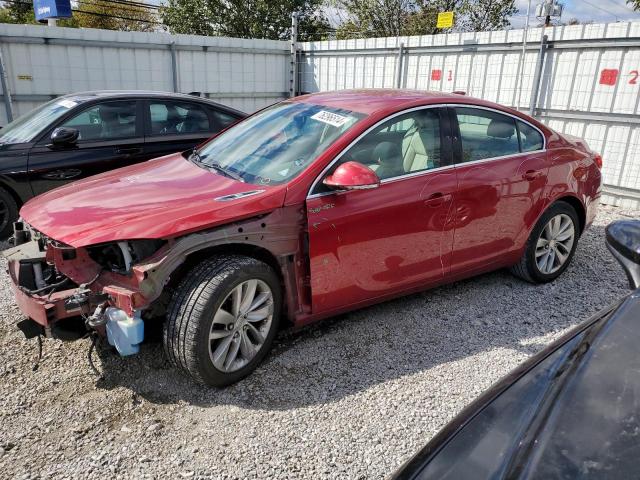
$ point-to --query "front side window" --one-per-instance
(171, 118)
(105, 121)
(408, 143)
(486, 134)
(276, 144)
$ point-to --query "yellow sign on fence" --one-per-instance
(445, 20)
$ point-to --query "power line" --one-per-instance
(108, 4)
(602, 10)
(86, 12)
(97, 14)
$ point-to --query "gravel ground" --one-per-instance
(353, 397)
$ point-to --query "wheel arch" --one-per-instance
(242, 249)
(11, 191)
(577, 205)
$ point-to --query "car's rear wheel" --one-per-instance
(551, 245)
(222, 319)
(8, 213)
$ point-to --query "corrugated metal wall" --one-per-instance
(589, 83)
(43, 62)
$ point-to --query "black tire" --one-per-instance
(193, 305)
(8, 213)
(527, 268)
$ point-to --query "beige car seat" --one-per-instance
(420, 144)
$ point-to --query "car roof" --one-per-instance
(81, 97)
(375, 100)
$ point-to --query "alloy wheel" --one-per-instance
(241, 325)
(555, 244)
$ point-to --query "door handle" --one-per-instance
(129, 150)
(532, 174)
(437, 199)
(62, 174)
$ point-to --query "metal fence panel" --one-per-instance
(44, 62)
(589, 83)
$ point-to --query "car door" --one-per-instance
(365, 244)
(178, 125)
(501, 169)
(110, 136)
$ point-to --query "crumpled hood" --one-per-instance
(161, 198)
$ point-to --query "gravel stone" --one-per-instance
(352, 397)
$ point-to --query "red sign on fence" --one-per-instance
(608, 76)
(436, 75)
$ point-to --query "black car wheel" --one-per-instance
(550, 246)
(8, 213)
(222, 319)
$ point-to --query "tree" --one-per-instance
(19, 11)
(635, 4)
(385, 18)
(245, 18)
(114, 16)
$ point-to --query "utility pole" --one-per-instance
(293, 71)
(525, 38)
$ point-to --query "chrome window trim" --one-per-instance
(424, 172)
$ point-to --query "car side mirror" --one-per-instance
(623, 241)
(64, 136)
(352, 176)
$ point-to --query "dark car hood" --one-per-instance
(161, 198)
(573, 411)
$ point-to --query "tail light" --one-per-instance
(598, 160)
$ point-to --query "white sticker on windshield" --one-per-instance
(67, 103)
(330, 118)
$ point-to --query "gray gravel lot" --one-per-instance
(352, 397)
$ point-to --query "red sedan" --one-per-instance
(314, 206)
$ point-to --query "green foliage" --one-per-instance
(245, 18)
(635, 4)
(390, 18)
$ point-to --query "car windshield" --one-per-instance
(25, 128)
(275, 145)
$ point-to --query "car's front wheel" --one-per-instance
(222, 319)
(550, 246)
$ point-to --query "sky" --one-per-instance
(598, 11)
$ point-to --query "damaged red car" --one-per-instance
(312, 207)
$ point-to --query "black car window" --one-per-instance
(175, 118)
(223, 119)
(105, 121)
(486, 134)
(530, 138)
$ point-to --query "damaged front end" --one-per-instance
(67, 293)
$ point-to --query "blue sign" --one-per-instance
(52, 9)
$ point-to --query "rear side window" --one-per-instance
(175, 118)
(486, 134)
(223, 119)
(530, 138)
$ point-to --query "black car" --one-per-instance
(572, 411)
(83, 134)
